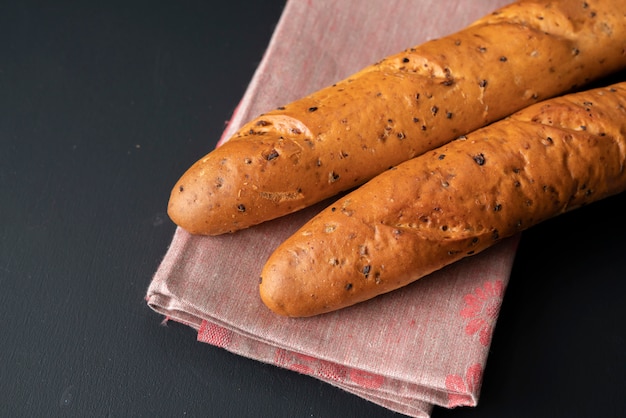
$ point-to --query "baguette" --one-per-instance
(341, 136)
(453, 202)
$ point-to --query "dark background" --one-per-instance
(102, 106)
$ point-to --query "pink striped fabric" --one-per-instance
(433, 336)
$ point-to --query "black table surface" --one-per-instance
(102, 106)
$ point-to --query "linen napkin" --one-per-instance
(420, 346)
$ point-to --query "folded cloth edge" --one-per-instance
(176, 309)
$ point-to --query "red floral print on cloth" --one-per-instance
(481, 310)
(326, 370)
(460, 389)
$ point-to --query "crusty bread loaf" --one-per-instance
(453, 202)
(404, 105)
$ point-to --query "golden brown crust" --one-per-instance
(453, 202)
(404, 105)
